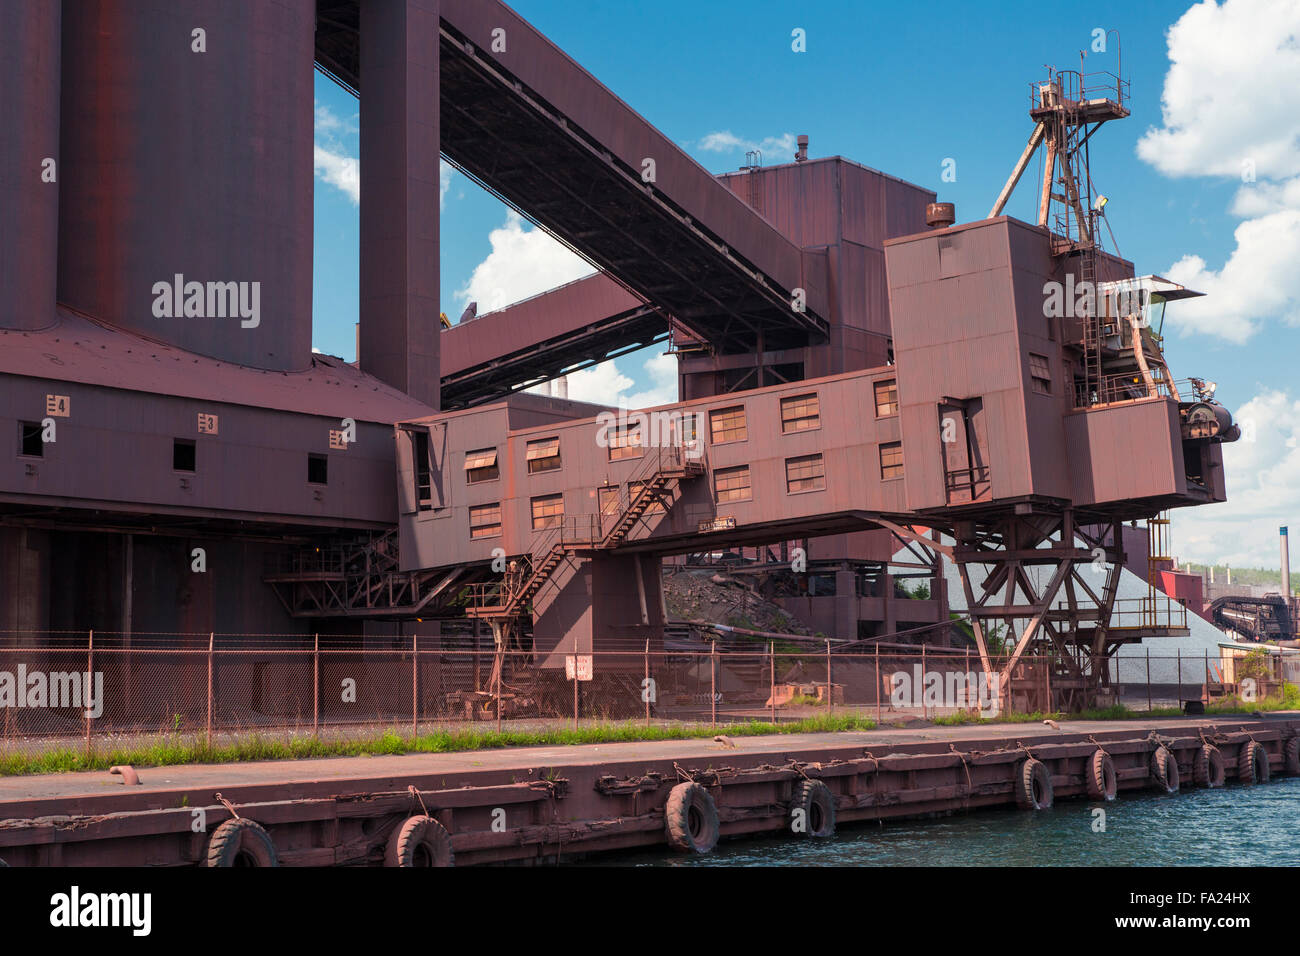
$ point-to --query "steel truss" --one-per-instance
(1065, 621)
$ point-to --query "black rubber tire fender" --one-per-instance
(1208, 769)
(691, 819)
(817, 802)
(1034, 786)
(1252, 763)
(419, 841)
(1103, 784)
(1164, 770)
(1291, 755)
(241, 842)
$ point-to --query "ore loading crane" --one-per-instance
(1019, 470)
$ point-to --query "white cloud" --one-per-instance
(445, 173)
(1259, 280)
(1229, 111)
(606, 384)
(1263, 469)
(341, 171)
(523, 262)
(774, 148)
(329, 124)
(336, 165)
(1230, 92)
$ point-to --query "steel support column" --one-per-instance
(400, 194)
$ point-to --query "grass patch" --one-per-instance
(805, 700)
(180, 750)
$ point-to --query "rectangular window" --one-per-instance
(423, 474)
(1040, 373)
(731, 484)
(481, 465)
(728, 424)
(886, 398)
(891, 460)
(608, 499)
(548, 511)
(183, 455)
(318, 470)
(800, 413)
(805, 473)
(543, 455)
(485, 520)
(29, 440)
(625, 443)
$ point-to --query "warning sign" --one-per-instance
(579, 665)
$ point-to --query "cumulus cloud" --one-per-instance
(1229, 95)
(523, 262)
(1258, 280)
(1228, 110)
(337, 165)
(779, 148)
(1263, 470)
(606, 384)
(340, 171)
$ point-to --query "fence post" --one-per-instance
(771, 660)
(713, 684)
(830, 688)
(575, 686)
(924, 676)
(1179, 652)
(645, 687)
(211, 642)
(415, 686)
(878, 687)
(1207, 676)
(315, 686)
(1149, 707)
(90, 676)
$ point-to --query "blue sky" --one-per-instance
(902, 87)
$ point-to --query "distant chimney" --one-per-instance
(802, 155)
(1286, 563)
(562, 387)
(1228, 570)
(940, 215)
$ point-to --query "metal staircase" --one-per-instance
(661, 469)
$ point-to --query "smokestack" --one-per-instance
(802, 155)
(1228, 569)
(1286, 563)
(562, 387)
(940, 215)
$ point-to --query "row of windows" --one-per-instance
(798, 413)
(804, 473)
(185, 454)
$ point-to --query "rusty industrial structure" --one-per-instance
(858, 372)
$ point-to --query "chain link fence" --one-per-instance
(105, 692)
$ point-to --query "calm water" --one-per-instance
(1231, 826)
